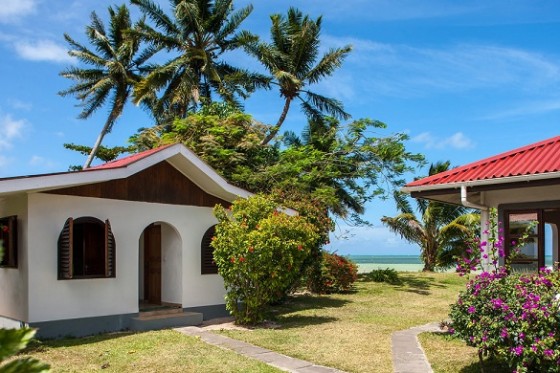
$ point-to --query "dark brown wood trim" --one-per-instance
(161, 183)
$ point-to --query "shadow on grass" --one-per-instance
(284, 313)
(40, 345)
(410, 282)
(488, 366)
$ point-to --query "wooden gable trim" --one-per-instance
(161, 183)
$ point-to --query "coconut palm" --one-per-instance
(113, 72)
(291, 59)
(199, 31)
(440, 229)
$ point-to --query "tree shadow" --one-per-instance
(284, 313)
(488, 366)
(39, 345)
(410, 283)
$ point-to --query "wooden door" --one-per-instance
(152, 264)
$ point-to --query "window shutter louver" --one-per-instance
(65, 250)
(109, 251)
(12, 241)
(207, 264)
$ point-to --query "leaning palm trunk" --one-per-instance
(97, 144)
(274, 130)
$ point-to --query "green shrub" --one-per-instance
(388, 275)
(337, 273)
(259, 253)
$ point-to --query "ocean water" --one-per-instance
(401, 263)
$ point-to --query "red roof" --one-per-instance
(123, 162)
(538, 158)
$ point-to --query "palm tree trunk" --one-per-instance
(276, 128)
(98, 142)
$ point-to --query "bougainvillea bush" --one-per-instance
(515, 317)
(337, 273)
(259, 251)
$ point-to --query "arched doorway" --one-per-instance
(160, 270)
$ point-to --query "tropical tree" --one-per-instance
(199, 31)
(113, 69)
(441, 230)
(291, 59)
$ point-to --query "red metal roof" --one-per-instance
(538, 158)
(123, 162)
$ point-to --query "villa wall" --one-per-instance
(53, 299)
(13, 289)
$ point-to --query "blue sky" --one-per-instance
(464, 79)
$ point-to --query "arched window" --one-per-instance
(207, 264)
(86, 249)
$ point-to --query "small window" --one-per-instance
(86, 249)
(207, 264)
(8, 240)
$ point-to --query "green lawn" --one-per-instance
(349, 331)
(352, 332)
(157, 351)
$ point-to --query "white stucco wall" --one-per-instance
(171, 271)
(13, 281)
(52, 299)
(536, 194)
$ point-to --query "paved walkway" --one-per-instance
(274, 359)
(408, 356)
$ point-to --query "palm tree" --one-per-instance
(113, 71)
(440, 230)
(200, 31)
(291, 58)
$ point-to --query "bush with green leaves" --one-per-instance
(337, 273)
(259, 252)
(387, 275)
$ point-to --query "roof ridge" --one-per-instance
(129, 159)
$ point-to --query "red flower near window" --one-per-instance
(232, 259)
(5, 228)
(300, 248)
(241, 259)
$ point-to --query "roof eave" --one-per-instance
(502, 180)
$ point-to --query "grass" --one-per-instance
(451, 355)
(157, 351)
(352, 331)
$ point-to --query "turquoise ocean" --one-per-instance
(401, 263)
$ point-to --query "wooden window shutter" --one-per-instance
(109, 251)
(207, 264)
(65, 250)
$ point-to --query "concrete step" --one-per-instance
(166, 320)
(164, 311)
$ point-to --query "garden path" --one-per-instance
(408, 355)
(282, 362)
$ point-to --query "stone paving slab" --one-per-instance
(408, 356)
(271, 358)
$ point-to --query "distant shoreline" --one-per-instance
(400, 263)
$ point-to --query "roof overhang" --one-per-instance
(451, 192)
(184, 160)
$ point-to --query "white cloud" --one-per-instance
(405, 71)
(38, 161)
(42, 50)
(12, 10)
(20, 105)
(10, 130)
(456, 141)
(525, 108)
